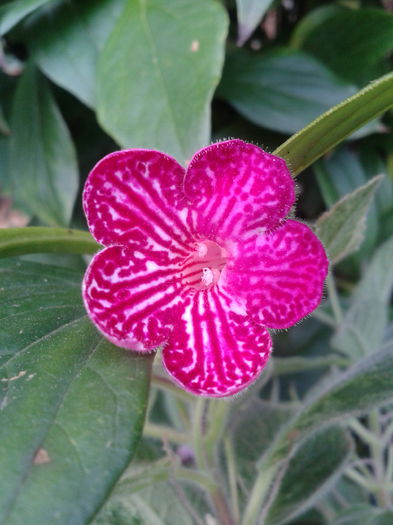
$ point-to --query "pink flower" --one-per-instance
(201, 261)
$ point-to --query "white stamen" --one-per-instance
(207, 276)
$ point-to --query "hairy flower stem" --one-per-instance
(209, 422)
(377, 453)
(230, 457)
(259, 493)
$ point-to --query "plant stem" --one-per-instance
(163, 432)
(334, 299)
(221, 506)
(218, 412)
(199, 432)
(377, 453)
(232, 477)
(259, 493)
(367, 436)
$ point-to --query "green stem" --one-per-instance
(222, 509)
(166, 384)
(377, 453)
(217, 416)
(324, 318)
(334, 299)
(232, 477)
(155, 431)
(37, 239)
(259, 493)
(367, 436)
(199, 432)
(322, 134)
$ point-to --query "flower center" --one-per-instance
(202, 268)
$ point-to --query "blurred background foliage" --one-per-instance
(312, 442)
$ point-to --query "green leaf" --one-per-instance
(37, 239)
(42, 158)
(342, 228)
(360, 513)
(311, 472)
(363, 326)
(157, 74)
(319, 137)
(343, 172)
(72, 404)
(154, 505)
(366, 385)
(282, 91)
(66, 43)
(13, 12)
(364, 34)
(249, 14)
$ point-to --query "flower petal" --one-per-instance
(136, 197)
(131, 299)
(280, 274)
(236, 187)
(215, 351)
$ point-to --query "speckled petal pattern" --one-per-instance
(136, 197)
(216, 350)
(279, 274)
(235, 187)
(132, 299)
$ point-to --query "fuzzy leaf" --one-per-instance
(319, 137)
(342, 228)
(362, 329)
(311, 472)
(36, 239)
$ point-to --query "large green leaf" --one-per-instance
(282, 91)
(72, 404)
(37, 239)
(66, 43)
(342, 228)
(42, 160)
(249, 14)
(311, 472)
(157, 74)
(319, 137)
(13, 12)
(363, 326)
(366, 35)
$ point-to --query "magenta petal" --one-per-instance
(131, 299)
(280, 274)
(214, 351)
(236, 187)
(136, 197)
